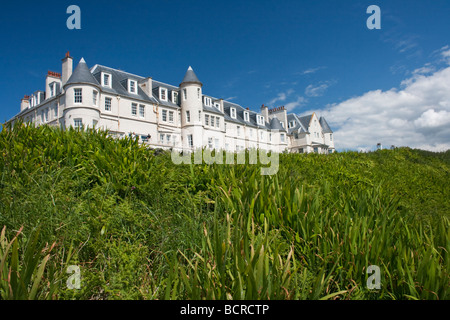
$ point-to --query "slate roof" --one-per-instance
(117, 80)
(299, 125)
(190, 77)
(325, 127)
(81, 74)
(275, 124)
(305, 120)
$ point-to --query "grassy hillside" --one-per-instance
(141, 227)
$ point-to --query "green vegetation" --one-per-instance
(141, 227)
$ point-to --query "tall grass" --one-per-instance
(141, 227)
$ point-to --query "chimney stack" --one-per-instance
(67, 68)
(221, 105)
(25, 103)
(52, 77)
(265, 112)
(146, 86)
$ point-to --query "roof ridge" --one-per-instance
(131, 74)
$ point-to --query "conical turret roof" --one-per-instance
(190, 77)
(82, 74)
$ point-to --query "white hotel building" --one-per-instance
(167, 116)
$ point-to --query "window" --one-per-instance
(331, 137)
(45, 113)
(260, 120)
(233, 113)
(171, 116)
(94, 123)
(251, 132)
(225, 126)
(217, 122)
(184, 94)
(199, 116)
(246, 116)
(238, 130)
(217, 105)
(199, 94)
(134, 109)
(282, 123)
(142, 111)
(213, 119)
(132, 87)
(78, 96)
(291, 124)
(106, 80)
(188, 116)
(168, 138)
(164, 115)
(270, 137)
(316, 150)
(52, 89)
(282, 137)
(207, 101)
(295, 135)
(175, 97)
(94, 97)
(190, 141)
(78, 123)
(163, 94)
(300, 150)
(206, 120)
(261, 136)
(210, 143)
(108, 104)
(55, 112)
(161, 137)
(216, 143)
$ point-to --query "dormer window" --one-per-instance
(175, 97)
(163, 94)
(207, 101)
(260, 120)
(291, 124)
(132, 86)
(217, 105)
(246, 116)
(233, 113)
(52, 89)
(106, 80)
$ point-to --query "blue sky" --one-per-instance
(307, 55)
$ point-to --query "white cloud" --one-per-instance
(282, 96)
(295, 104)
(432, 119)
(426, 69)
(311, 70)
(417, 115)
(445, 54)
(317, 90)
